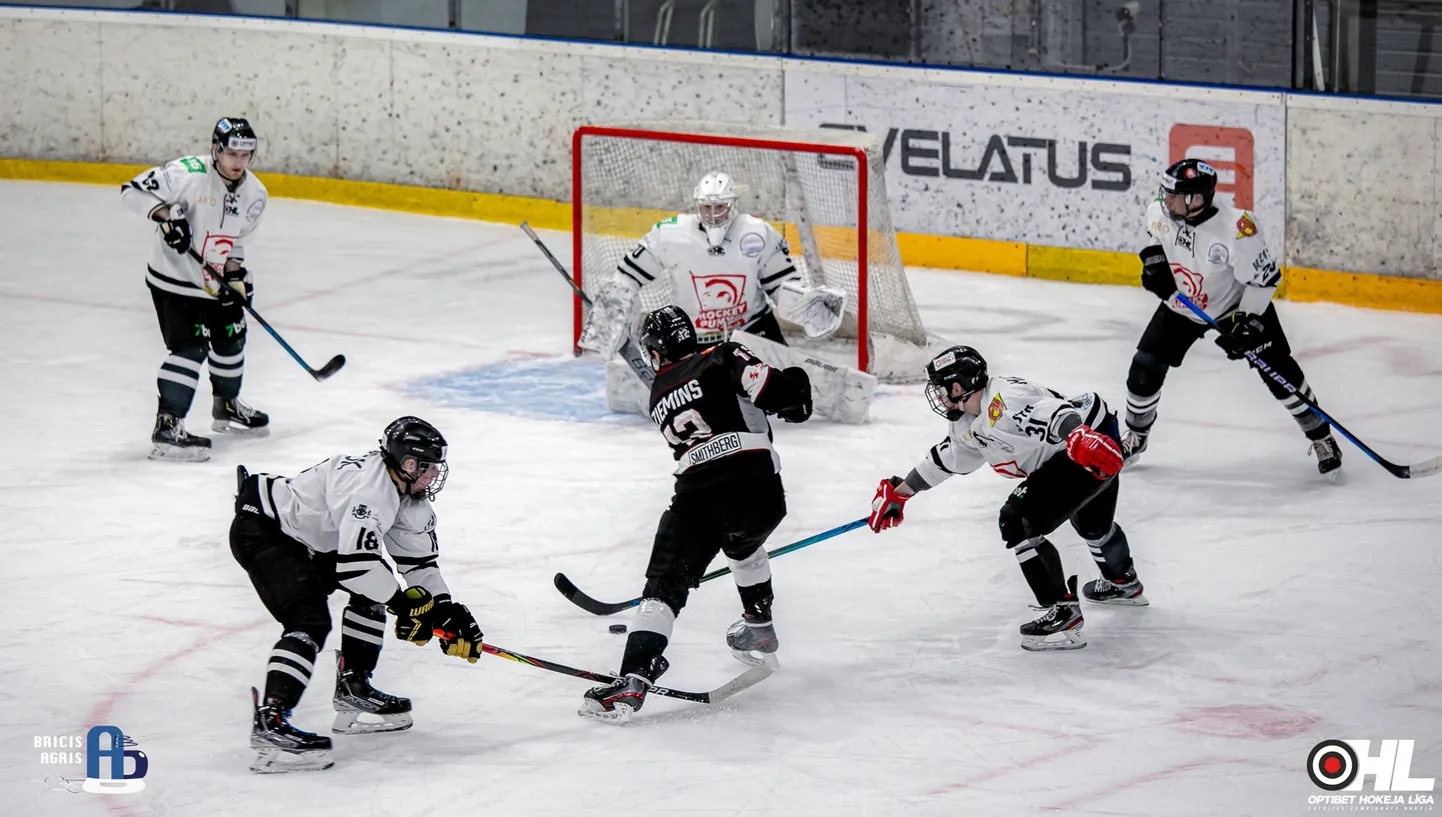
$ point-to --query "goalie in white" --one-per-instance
(726, 269)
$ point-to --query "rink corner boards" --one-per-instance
(937, 252)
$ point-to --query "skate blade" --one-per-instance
(226, 427)
(1069, 641)
(619, 716)
(271, 760)
(175, 453)
(1334, 475)
(349, 722)
(753, 658)
(1134, 601)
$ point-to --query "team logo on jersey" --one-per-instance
(216, 248)
(1186, 239)
(752, 244)
(1245, 226)
(360, 511)
(1217, 254)
(256, 208)
(722, 299)
(995, 410)
(1190, 284)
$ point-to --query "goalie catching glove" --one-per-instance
(817, 311)
(460, 636)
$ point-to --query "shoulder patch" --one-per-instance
(671, 220)
(193, 164)
(995, 410)
(1245, 226)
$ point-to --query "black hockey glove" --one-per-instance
(1241, 333)
(1157, 272)
(230, 287)
(799, 413)
(415, 612)
(176, 234)
(460, 636)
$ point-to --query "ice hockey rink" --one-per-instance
(1285, 610)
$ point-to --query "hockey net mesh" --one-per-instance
(628, 184)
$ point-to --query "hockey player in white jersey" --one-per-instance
(324, 529)
(211, 205)
(1066, 452)
(1215, 255)
(731, 272)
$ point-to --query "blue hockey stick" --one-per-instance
(1421, 469)
(603, 608)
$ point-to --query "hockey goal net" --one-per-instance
(823, 189)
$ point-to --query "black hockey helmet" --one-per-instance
(411, 447)
(668, 334)
(960, 365)
(234, 132)
(1189, 178)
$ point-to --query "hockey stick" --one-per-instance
(331, 367)
(1421, 469)
(602, 608)
(637, 361)
(749, 678)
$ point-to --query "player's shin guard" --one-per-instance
(227, 366)
(362, 631)
(177, 380)
(292, 662)
(641, 665)
(1042, 567)
(649, 636)
(359, 707)
(1119, 583)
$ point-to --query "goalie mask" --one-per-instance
(716, 206)
(667, 335)
(1187, 189)
(416, 453)
(959, 365)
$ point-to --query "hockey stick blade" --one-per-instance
(1421, 469)
(745, 680)
(329, 369)
(574, 595)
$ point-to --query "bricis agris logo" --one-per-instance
(1343, 766)
(106, 751)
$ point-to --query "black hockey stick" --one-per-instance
(1421, 469)
(749, 678)
(602, 608)
(331, 367)
(637, 361)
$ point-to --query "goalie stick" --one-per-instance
(1422, 469)
(747, 679)
(574, 595)
(638, 362)
(331, 367)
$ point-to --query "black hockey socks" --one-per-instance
(292, 662)
(227, 364)
(362, 629)
(1144, 390)
(1041, 565)
(756, 601)
(1313, 426)
(649, 636)
(178, 379)
(1113, 555)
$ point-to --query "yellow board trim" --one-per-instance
(938, 252)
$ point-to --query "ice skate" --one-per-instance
(172, 442)
(235, 416)
(1059, 628)
(1134, 442)
(1126, 592)
(753, 641)
(361, 708)
(1329, 457)
(281, 747)
(617, 701)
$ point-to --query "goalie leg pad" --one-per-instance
(838, 393)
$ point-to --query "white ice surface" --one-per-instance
(1285, 610)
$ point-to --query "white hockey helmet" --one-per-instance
(716, 204)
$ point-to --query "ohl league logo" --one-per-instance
(1343, 765)
(105, 755)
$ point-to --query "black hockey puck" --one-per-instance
(618, 628)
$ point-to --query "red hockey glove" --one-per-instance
(1094, 451)
(887, 506)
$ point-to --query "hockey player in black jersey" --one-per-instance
(711, 407)
(302, 538)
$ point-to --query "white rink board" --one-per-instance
(999, 160)
(1285, 610)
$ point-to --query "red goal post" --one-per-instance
(823, 189)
